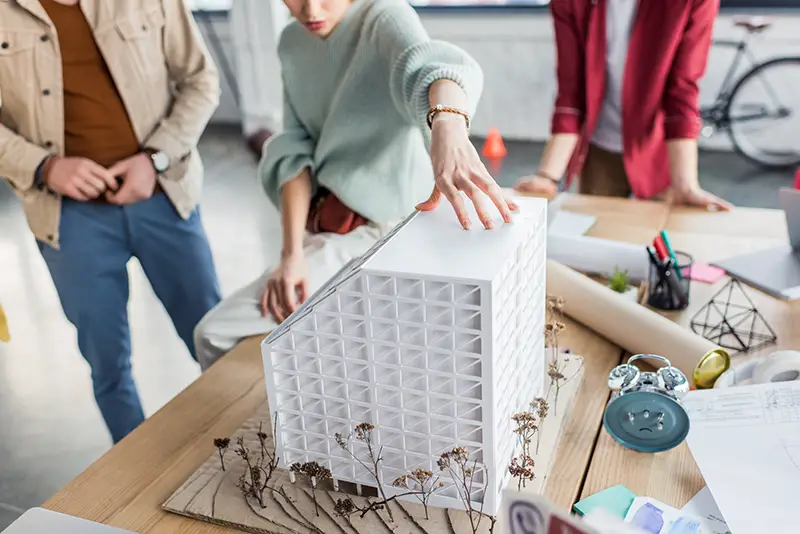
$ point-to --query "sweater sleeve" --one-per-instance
(414, 62)
(286, 154)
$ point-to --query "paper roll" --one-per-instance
(632, 326)
(593, 255)
(781, 366)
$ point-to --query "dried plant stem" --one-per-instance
(456, 463)
(259, 470)
(346, 507)
(422, 484)
(363, 433)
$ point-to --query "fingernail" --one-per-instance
(489, 224)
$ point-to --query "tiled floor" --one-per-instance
(50, 429)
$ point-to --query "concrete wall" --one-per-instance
(517, 55)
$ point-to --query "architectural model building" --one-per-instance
(435, 337)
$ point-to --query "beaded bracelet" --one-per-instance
(443, 109)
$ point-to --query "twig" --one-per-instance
(347, 507)
(422, 483)
(258, 471)
(363, 433)
(456, 463)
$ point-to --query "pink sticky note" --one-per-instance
(703, 272)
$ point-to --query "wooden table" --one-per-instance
(127, 486)
(673, 477)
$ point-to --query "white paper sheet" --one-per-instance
(570, 224)
(746, 442)
(593, 255)
(705, 507)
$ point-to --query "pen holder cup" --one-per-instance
(666, 289)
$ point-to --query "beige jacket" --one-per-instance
(165, 75)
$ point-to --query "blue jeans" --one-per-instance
(90, 275)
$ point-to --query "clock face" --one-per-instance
(160, 161)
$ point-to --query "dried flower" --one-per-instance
(554, 372)
(315, 473)
(521, 468)
(555, 304)
(540, 406)
(222, 445)
(344, 507)
(364, 431)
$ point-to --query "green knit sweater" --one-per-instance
(355, 105)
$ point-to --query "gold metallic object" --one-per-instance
(710, 368)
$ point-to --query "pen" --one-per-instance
(671, 252)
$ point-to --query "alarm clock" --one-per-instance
(645, 412)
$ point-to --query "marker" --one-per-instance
(671, 253)
(661, 249)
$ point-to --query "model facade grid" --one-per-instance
(435, 338)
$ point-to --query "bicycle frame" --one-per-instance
(742, 51)
(717, 113)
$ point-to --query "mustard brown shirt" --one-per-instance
(96, 124)
(162, 71)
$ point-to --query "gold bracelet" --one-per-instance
(443, 109)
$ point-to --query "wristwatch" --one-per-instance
(159, 159)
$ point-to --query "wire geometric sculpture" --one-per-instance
(733, 326)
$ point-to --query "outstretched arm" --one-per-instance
(681, 106)
(423, 74)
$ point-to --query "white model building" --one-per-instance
(435, 337)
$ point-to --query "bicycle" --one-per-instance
(740, 109)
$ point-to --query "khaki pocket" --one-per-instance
(17, 66)
(142, 36)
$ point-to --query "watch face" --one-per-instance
(160, 161)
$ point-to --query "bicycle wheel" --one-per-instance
(763, 114)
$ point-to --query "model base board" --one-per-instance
(213, 495)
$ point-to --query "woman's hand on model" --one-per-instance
(286, 288)
(458, 168)
(696, 196)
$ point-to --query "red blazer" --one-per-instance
(667, 56)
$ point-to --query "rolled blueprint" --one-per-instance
(593, 255)
(632, 326)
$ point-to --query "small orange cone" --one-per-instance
(494, 148)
